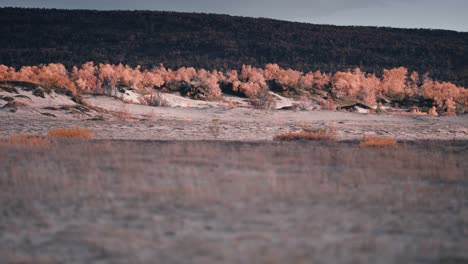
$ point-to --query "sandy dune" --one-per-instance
(112, 118)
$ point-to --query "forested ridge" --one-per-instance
(222, 42)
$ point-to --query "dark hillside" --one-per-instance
(34, 36)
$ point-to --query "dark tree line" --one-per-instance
(35, 36)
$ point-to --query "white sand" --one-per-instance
(199, 120)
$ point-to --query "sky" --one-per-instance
(436, 14)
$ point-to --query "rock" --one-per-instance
(357, 107)
(14, 105)
(78, 99)
(22, 96)
(9, 89)
(383, 100)
(363, 106)
(39, 92)
(81, 108)
(11, 106)
(289, 107)
(6, 98)
(48, 114)
(65, 108)
(362, 110)
(50, 108)
(96, 118)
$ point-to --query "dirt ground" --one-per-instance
(130, 121)
(121, 201)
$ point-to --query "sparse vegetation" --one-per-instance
(73, 132)
(356, 86)
(378, 142)
(27, 140)
(326, 133)
(262, 100)
(155, 99)
(44, 141)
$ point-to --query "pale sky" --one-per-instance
(447, 14)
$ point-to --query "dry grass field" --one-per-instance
(122, 201)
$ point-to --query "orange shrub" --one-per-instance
(432, 111)
(394, 81)
(378, 142)
(74, 132)
(328, 104)
(250, 81)
(325, 133)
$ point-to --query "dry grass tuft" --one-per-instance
(231, 104)
(26, 140)
(328, 104)
(432, 111)
(123, 115)
(262, 100)
(156, 99)
(378, 142)
(326, 133)
(74, 132)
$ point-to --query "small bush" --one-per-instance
(328, 104)
(432, 111)
(156, 99)
(231, 104)
(325, 133)
(378, 142)
(75, 132)
(262, 100)
(302, 104)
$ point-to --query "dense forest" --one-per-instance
(222, 42)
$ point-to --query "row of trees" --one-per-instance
(249, 81)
